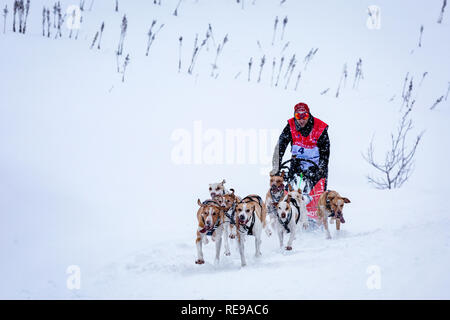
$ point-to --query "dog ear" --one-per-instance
(232, 191)
(282, 174)
(290, 187)
(300, 191)
(223, 182)
(199, 202)
(288, 198)
(346, 200)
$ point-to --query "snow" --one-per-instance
(88, 176)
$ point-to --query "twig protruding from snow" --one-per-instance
(5, 14)
(441, 15)
(274, 29)
(437, 102)
(358, 74)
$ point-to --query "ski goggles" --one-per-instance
(301, 116)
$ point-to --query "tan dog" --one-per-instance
(229, 202)
(210, 218)
(331, 205)
(250, 219)
(273, 197)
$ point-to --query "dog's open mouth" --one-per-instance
(243, 220)
(275, 189)
(340, 216)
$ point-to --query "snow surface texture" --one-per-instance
(89, 176)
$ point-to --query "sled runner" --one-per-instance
(311, 193)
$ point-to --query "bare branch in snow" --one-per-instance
(298, 80)
(250, 68)
(343, 79)
(273, 71)
(441, 15)
(263, 61)
(125, 64)
(285, 21)
(274, 29)
(358, 74)
(324, 91)
(437, 102)
(279, 70)
(397, 165)
(5, 14)
(180, 40)
(175, 12)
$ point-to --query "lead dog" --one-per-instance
(210, 218)
(250, 219)
(331, 205)
(290, 211)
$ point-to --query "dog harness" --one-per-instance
(210, 231)
(306, 147)
(249, 229)
(276, 197)
(286, 223)
(230, 213)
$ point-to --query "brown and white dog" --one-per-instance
(273, 197)
(331, 205)
(229, 203)
(290, 211)
(250, 217)
(228, 200)
(210, 218)
(217, 189)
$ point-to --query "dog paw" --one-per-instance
(199, 261)
(227, 253)
(288, 248)
(232, 236)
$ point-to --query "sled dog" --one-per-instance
(331, 205)
(290, 211)
(210, 218)
(250, 217)
(273, 197)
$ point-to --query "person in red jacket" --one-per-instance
(309, 140)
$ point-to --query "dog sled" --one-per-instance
(311, 193)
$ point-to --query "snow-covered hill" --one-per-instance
(90, 173)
